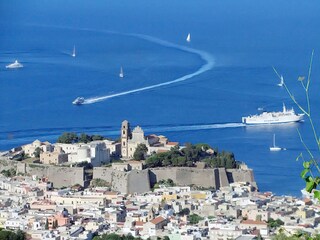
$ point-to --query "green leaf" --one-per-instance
(304, 172)
(310, 184)
(317, 194)
(317, 180)
(306, 165)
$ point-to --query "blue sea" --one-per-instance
(190, 92)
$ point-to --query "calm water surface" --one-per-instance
(245, 39)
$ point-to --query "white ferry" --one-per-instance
(286, 116)
(16, 64)
(78, 101)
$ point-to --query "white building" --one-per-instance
(94, 152)
(29, 149)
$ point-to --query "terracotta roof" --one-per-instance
(307, 201)
(139, 223)
(162, 150)
(306, 225)
(157, 220)
(172, 143)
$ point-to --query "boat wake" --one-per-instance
(192, 127)
(205, 56)
(209, 63)
(19, 137)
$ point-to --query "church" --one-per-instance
(131, 139)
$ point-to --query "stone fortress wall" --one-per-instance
(59, 176)
(141, 180)
(138, 181)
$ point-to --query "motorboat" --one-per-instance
(78, 101)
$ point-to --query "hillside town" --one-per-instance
(193, 204)
(233, 212)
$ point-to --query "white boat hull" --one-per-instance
(275, 149)
(78, 101)
(248, 120)
(14, 65)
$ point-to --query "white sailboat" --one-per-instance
(121, 74)
(16, 64)
(281, 81)
(188, 38)
(274, 148)
(74, 51)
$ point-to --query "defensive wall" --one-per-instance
(126, 182)
(141, 180)
(138, 181)
(58, 175)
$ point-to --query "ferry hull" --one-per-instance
(249, 121)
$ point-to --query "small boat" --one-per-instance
(281, 83)
(188, 38)
(16, 64)
(78, 101)
(74, 51)
(121, 74)
(274, 148)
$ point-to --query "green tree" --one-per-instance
(37, 152)
(97, 137)
(190, 154)
(194, 218)
(98, 182)
(275, 223)
(68, 138)
(140, 152)
(153, 161)
(7, 234)
(114, 236)
(84, 138)
(9, 173)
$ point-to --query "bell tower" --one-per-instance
(125, 136)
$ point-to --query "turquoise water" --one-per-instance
(241, 41)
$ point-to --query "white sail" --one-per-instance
(74, 51)
(16, 64)
(274, 147)
(188, 38)
(121, 74)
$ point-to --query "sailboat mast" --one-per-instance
(74, 51)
